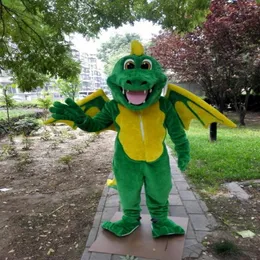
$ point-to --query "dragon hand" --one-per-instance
(69, 111)
(183, 162)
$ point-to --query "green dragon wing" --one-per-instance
(91, 105)
(190, 106)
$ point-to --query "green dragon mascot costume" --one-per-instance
(141, 117)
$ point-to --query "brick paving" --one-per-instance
(183, 201)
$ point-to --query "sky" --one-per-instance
(144, 28)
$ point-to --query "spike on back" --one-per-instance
(137, 48)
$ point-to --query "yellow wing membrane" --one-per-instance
(190, 106)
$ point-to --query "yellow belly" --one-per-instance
(142, 132)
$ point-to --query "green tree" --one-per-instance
(115, 44)
(45, 102)
(176, 15)
(33, 32)
(7, 100)
(115, 48)
(69, 88)
(32, 45)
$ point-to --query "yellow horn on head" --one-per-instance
(137, 48)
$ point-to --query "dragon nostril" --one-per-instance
(129, 82)
(144, 83)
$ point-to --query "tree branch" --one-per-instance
(25, 5)
(10, 11)
(7, 48)
(2, 18)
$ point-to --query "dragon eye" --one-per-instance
(146, 65)
(129, 64)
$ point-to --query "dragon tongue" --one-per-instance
(136, 97)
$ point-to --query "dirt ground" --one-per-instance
(55, 186)
(234, 216)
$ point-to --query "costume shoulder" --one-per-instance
(91, 105)
(189, 106)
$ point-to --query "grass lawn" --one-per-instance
(15, 113)
(234, 157)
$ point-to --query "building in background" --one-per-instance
(91, 78)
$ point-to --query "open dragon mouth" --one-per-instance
(136, 97)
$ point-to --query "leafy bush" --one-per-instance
(6, 128)
(225, 248)
(26, 126)
(27, 104)
(7, 100)
(16, 113)
(45, 102)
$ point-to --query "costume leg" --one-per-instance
(158, 185)
(129, 177)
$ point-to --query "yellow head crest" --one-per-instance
(137, 48)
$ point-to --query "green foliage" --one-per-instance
(34, 46)
(115, 48)
(112, 60)
(46, 136)
(225, 248)
(222, 55)
(26, 126)
(9, 127)
(45, 102)
(178, 15)
(116, 44)
(7, 100)
(234, 157)
(69, 88)
(27, 104)
(79, 149)
(23, 160)
(15, 113)
(11, 138)
(66, 159)
(27, 142)
(8, 150)
(65, 134)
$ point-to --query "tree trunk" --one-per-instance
(7, 107)
(243, 109)
(242, 116)
(213, 132)
(214, 126)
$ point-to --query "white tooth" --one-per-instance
(144, 91)
(127, 91)
(151, 90)
(123, 91)
(129, 102)
(143, 102)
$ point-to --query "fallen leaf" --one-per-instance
(246, 233)
(51, 251)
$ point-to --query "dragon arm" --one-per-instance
(100, 121)
(177, 135)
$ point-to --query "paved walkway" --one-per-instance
(183, 203)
